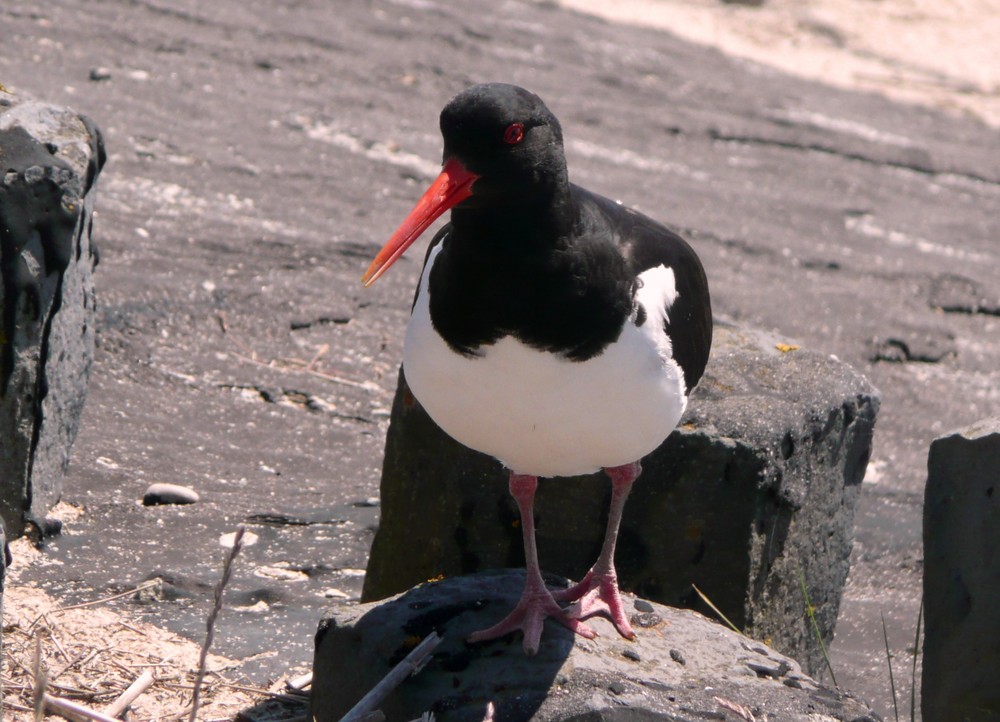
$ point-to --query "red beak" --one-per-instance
(453, 186)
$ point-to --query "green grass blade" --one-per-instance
(811, 612)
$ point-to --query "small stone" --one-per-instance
(281, 574)
(675, 654)
(646, 619)
(631, 654)
(163, 493)
(641, 605)
(616, 688)
(100, 73)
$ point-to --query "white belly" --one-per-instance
(541, 414)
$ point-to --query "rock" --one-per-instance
(952, 293)
(758, 485)
(962, 576)
(162, 493)
(570, 678)
(50, 158)
(4, 562)
(926, 345)
(100, 73)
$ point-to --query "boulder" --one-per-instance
(50, 158)
(682, 666)
(755, 491)
(961, 653)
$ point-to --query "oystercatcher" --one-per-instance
(554, 329)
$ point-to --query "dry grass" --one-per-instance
(92, 654)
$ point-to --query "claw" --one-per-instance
(529, 617)
(597, 593)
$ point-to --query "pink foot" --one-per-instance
(529, 616)
(597, 593)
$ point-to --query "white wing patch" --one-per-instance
(657, 293)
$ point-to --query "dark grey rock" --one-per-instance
(758, 485)
(962, 576)
(4, 561)
(49, 161)
(570, 678)
(163, 493)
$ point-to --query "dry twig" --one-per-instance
(227, 572)
(410, 664)
(141, 684)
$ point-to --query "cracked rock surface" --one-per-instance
(681, 667)
(259, 153)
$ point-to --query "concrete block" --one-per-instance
(50, 158)
(961, 653)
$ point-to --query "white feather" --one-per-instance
(541, 414)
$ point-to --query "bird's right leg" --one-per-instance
(536, 600)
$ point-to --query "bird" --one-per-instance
(552, 328)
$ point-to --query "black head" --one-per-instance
(503, 156)
(509, 138)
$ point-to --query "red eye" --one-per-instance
(514, 134)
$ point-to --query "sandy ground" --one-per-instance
(89, 654)
(942, 53)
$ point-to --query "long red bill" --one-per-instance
(453, 186)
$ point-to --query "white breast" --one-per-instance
(541, 414)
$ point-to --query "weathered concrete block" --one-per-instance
(759, 483)
(49, 161)
(679, 668)
(962, 576)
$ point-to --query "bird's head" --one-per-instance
(502, 148)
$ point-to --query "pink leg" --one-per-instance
(597, 592)
(536, 601)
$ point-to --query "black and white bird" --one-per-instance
(554, 329)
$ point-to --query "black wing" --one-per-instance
(646, 244)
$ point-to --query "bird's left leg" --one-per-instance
(598, 592)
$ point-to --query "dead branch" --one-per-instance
(414, 661)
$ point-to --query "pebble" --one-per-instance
(100, 73)
(641, 605)
(162, 493)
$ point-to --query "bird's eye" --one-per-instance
(514, 134)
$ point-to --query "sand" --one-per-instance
(941, 53)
